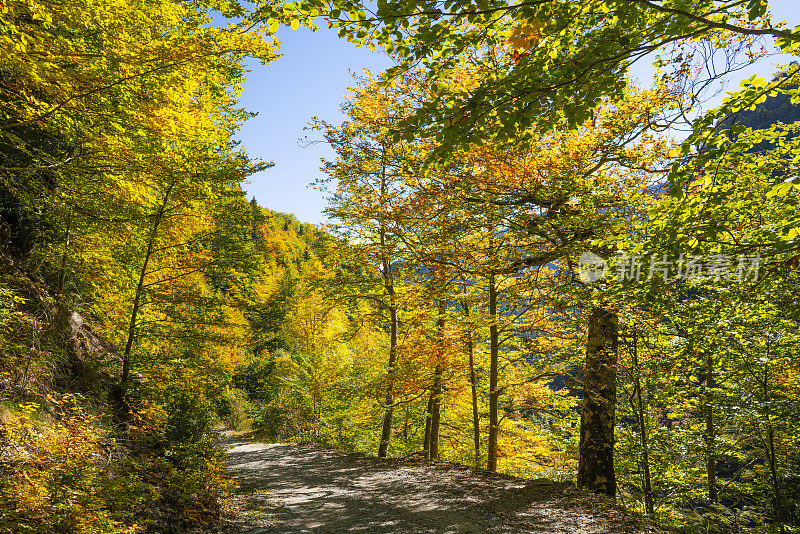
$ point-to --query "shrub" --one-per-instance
(53, 474)
(74, 474)
(255, 377)
(235, 409)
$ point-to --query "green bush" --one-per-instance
(254, 377)
(275, 424)
(235, 409)
(190, 417)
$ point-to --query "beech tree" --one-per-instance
(370, 175)
(543, 204)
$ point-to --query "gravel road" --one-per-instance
(288, 489)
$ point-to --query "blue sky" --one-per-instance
(311, 79)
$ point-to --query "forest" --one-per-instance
(535, 264)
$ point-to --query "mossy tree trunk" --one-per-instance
(596, 457)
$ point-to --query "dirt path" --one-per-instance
(297, 489)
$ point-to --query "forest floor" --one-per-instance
(291, 489)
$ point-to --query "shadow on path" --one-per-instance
(298, 489)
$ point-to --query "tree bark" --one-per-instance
(473, 381)
(776, 488)
(648, 494)
(435, 403)
(494, 392)
(388, 282)
(386, 430)
(596, 456)
(710, 437)
(436, 411)
(426, 446)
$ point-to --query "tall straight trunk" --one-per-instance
(473, 381)
(436, 390)
(648, 494)
(137, 298)
(64, 255)
(494, 393)
(769, 445)
(426, 446)
(596, 455)
(386, 430)
(776, 488)
(388, 282)
(436, 411)
(710, 437)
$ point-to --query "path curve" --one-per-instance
(291, 489)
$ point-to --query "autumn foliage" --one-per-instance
(441, 312)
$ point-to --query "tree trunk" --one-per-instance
(436, 407)
(436, 411)
(776, 488)
(473, 381)
(65, 254)
(386, 431)
(151, 241)
(426, 446)
(711, 460)
(769, 445)
(494, 393)
(648, 494)
(388, 283)
(596, 456)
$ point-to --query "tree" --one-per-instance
(503, 212)
(597, 42)
(135, 151)
(370, 172)
(596, 461)
(732, 197)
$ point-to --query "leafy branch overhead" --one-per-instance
(544, 59)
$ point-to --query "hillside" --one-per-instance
(77, 456)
